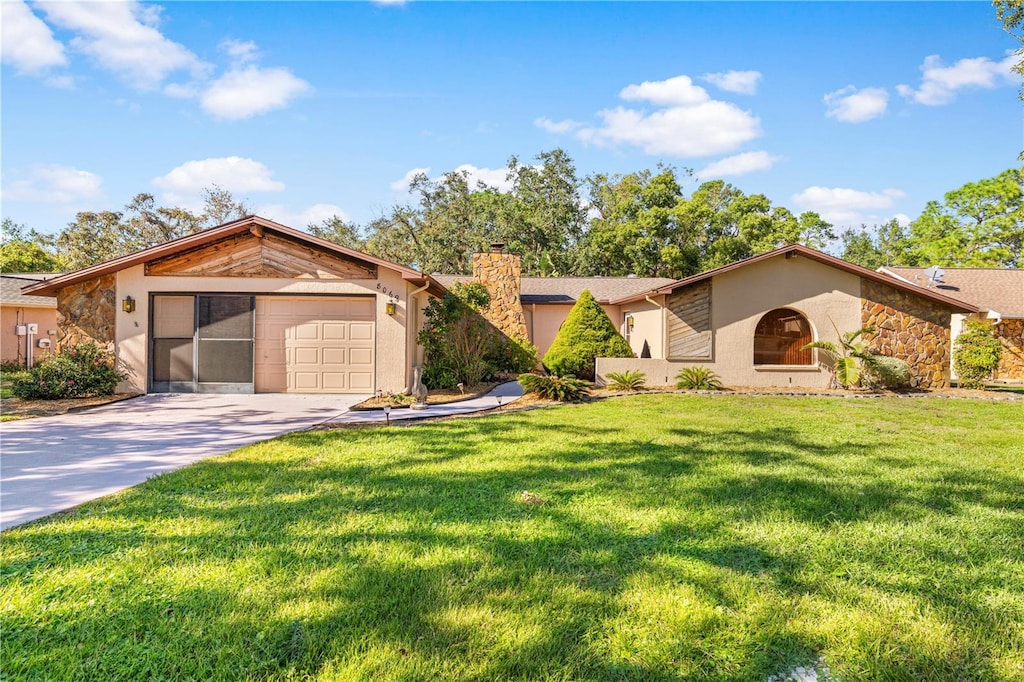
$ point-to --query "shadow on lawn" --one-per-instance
(421, 568)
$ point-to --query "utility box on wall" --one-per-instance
(44, 343)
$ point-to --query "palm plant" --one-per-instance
(630, 380)
(848, 356)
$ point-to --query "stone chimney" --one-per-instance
(501, 273)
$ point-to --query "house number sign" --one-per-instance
(390, 293)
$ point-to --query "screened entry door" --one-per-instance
(202, 344)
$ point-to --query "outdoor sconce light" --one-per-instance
(128, 304)
(390, 307)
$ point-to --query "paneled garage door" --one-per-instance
(314, 345)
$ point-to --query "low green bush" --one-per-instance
(698, 379)
(563, 389)
(586, 334)
(884, 372)
(976, 354)
(83, 370)
(630, 380)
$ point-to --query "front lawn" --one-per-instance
(649, 537)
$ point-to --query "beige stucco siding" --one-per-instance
(738, 301)
(12, 346)
(648, 325)
(392, 336)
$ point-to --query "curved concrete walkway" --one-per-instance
(50, 464)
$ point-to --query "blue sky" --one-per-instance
(860, 111)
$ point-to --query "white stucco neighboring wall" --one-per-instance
(739, 299)
(394, 339)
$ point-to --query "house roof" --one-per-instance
(213, 234)
(812, 254)
(995, 289)
(568, 289)
(11, 284)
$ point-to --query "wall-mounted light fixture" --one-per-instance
(128, 304)
(390, 307)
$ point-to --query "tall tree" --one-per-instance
(22, 251)
(887, 244)
(336, 229)
(978, 225)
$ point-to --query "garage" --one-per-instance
(314, 344)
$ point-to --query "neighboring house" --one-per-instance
(248, 306)
(749, 321)
(18, 311)
(546, 301)
(998, 294)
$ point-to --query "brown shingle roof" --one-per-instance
(1001, 290)
(10, 290)
(568, 289)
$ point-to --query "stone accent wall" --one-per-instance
(87, 312)
(1011, 362)
(501, 273)
(909, 327)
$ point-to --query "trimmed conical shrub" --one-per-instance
(586, 334)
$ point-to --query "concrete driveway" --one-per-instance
(49, 464)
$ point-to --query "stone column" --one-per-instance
(87, 312)
(501, 273)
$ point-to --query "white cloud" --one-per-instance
(685, 122)
(25, 41)
(184, 184)
(940, 83)
(247, 91)
(402, 184)
(842, 206)
(54, 184)
(242, 52)
(566, 126)
(740, 82)
(679, 90)
(851, 105)
(902, 218)
(123, 37)
(300, 219)
(740, 164)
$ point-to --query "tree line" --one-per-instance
(641, 223)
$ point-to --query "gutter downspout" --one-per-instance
(409, 303)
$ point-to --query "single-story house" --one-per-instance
(248, 306)
(255, 306)
(546, 301)
(749, 321)
(20, 314)
(997, 293)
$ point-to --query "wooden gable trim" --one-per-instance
(260, 253)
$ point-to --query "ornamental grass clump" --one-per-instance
(630, 380)
(76, 372)
(586, 334)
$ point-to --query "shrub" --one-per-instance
(698, 379)
(976, 354)
(586, 334)
(461, 346)
(630, 380)
(82, 370)
(563, 389)
(884, 372)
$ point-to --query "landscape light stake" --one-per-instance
(499, 399)
(387, 415)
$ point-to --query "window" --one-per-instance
(780, 338)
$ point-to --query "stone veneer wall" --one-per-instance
(909, 327)
(87, 312)
(1011, 362)
(501, 273)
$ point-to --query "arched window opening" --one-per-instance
(780, 338)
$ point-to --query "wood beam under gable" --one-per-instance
(266, 254)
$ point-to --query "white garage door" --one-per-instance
(314, 345)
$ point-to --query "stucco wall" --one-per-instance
(740, 298)
(12, 346)
(393, 362)
(648, 325)
(543, 321)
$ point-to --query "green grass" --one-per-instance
(650, 537)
